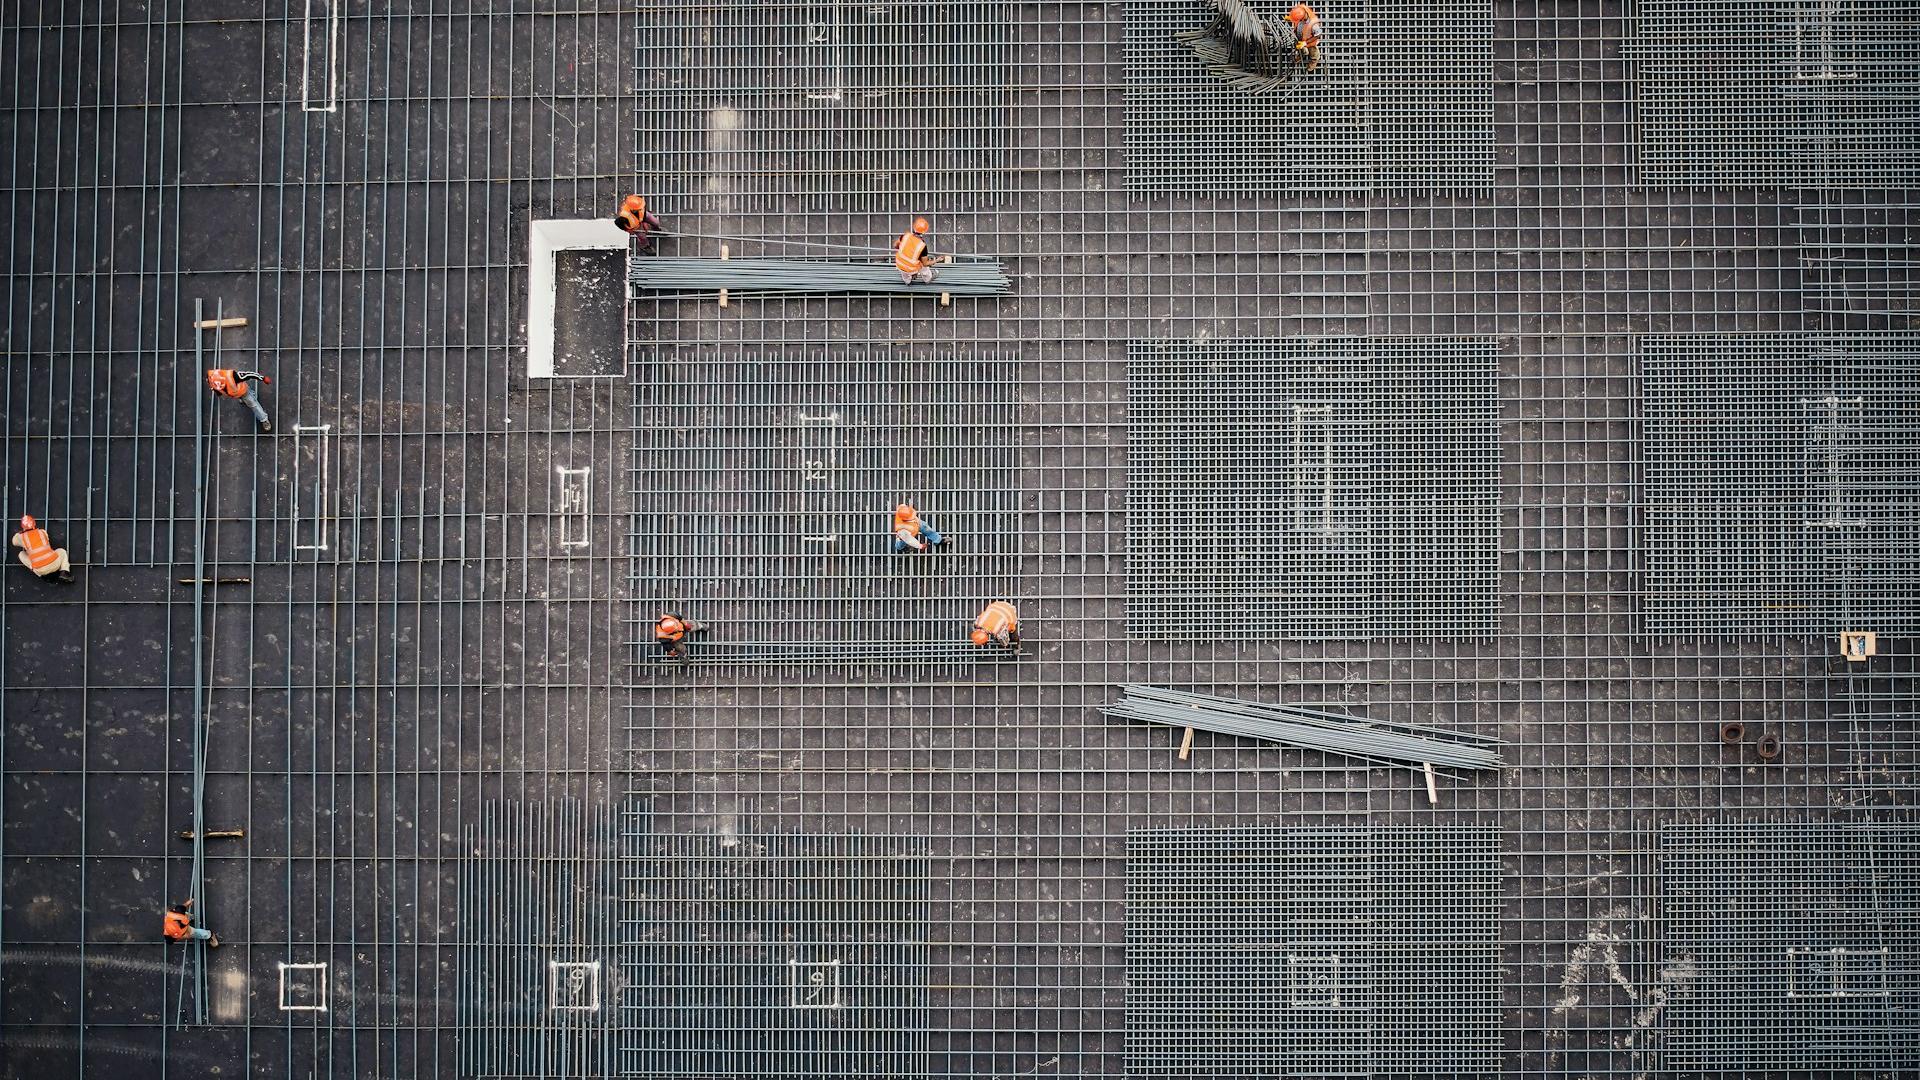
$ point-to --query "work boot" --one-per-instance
(213, 942)
(266, 426)
(64, 577)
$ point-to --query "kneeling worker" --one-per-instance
(671, 631)
(637, 221)
(910, 533)
(178, 926)
(1306, 33)
(998, 622)
(912, 257)
(38, 554)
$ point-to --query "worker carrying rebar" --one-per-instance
(1306, 33)
(913, 258)
(671, 633)
(998, 622)
(178, 926)
(38, 554)
(639, 222)
(911, 532)
(239, 384)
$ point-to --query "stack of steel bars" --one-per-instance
(982, 277)
(1309, 729)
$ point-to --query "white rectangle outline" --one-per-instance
(793, 983)
(545, 240)
(553, 985)
(323, 517)
(333, 40)
(586, 502)
(322, 969)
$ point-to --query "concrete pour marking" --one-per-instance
(323, 32)
(319, 507)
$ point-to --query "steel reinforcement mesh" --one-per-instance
(1816, 96)
(1790, 947)
(1299, 487)
(1780, 495)
(1311, 952)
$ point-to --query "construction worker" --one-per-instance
(1306, 33)
(997, 622)
(671, 631)
(912, 533)
(637, 220)
(911, 256)
(239, 384)
(178, 926)
(38, 554)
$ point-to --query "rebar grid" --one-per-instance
(1312, 487)
(363, 711)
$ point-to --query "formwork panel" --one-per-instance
(834, 102)
(1778, 490)
(1379, 114)
(1794, 945)
(763, 492)
(1819, 96)
(1311, 952)
(1293, 487)
(782, 955)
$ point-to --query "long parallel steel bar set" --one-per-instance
(673, 274)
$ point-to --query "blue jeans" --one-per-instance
(929, 536)
(253, 402)
(195, 933)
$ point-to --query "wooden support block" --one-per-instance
(219, 324)
(1857, 645)
(216, 834)
(946, 299)
(1186, 744)
(723, 292)
(1433, 788)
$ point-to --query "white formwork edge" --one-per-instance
(544, 240)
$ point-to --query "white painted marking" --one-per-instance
(545, 239)
(575, 496)
(1313, 468)
(309, 982)
(813, 985)
(312, 487)
(323, 42)
(573, 986)
(819, 459)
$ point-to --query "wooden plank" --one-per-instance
(219, 324)
(1186, 744)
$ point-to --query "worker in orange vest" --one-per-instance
(38, 554)
(239, 384)
(998, 622)
(638, 221)
(671, 631)
(912, 533)
(1306, 33)
(911, 256)
(178, 926)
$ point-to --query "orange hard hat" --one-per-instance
(904, 510)
(980, 637)
(27, 522)
(670, 624)
(921, 225)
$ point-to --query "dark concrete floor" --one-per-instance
(366, 701)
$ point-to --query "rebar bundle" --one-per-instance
(983, 277)
(1310, 729)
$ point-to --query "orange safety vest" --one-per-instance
(909, 524)
(176, 926)
(669, 629)
(997, 620)
(1306, 24)
(226, 381)
(907, 252)
(633, 213)
(39, 549)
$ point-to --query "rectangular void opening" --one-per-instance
(573, 986)
(303, 987)
(576, 299)
(322, 42)
(572, 506)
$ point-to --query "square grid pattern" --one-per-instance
(774, 956)
(1313, 952)
(1791, 945)
(763, 494)
(1780, 495)
(1819, 95)
(1345, 486)
(1402, 101)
